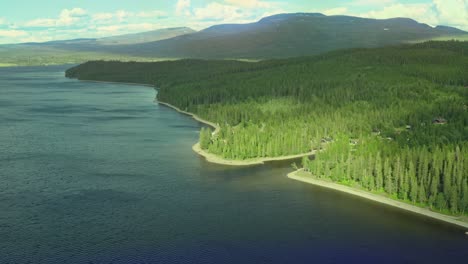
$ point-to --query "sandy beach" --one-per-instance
(299, 175)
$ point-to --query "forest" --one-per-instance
(391, 120)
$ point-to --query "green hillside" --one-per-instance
(290, 35)
(81, 50)
(391, 120)
(278, 36)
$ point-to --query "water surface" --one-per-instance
(98, 173)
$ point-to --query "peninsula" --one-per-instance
(392, 120)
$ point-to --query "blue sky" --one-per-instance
(35, 20)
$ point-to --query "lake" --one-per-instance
(99, 173)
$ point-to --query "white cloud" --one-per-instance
(41, 22)
(439, 12)
(2, 21)
(368, 3)
(183, 8)
(70, 16)
(121, 15)
(151, 14)
(8, 33)
(235, 11)
(452, 12)
(249, 3)
(335, 11)
(126, 28)
(102, 16)
(217, 11)
(67, 17)
(403, 10)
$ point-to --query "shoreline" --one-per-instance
(380, 199)
(209, 156)
(127, 83)
(194, 116)
(453, 220)
(213, 158)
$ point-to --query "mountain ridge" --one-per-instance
(272, 37)
(290, 35)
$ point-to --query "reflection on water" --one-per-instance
(97, 173)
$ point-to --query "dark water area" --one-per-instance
(99, 173)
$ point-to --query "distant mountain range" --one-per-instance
(290, 35)
(127, 39)
(278, 36)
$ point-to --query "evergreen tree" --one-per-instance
(454, 201)
(440, 203)
(422, 198)
(388, 177)
(205, 138)
(378, 172)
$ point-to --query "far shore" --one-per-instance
(302, 176)
(220, 160)
(127, 83)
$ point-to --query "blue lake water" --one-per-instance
(99, 173)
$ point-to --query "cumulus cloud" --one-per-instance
(372, 2)
(437, 12)
(118, 29)
(183, 7)
(235, 11)
(335, 11)
(452, 12)
(249, 3)
(216, 11)
(99, 17)
(12, 33)
(152, 14)
(122, 16)
(404, 10)
(67, 17)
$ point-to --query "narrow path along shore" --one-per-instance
(219, 160)
(300, 175)
(194, 116)
(127, 83)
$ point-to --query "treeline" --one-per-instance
(391, 120)
(434, 177)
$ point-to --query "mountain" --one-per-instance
(289, 35)
(80, 50)
(127, 39)
(277, 36)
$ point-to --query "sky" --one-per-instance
(45, 20)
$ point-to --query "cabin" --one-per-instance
(439, 121)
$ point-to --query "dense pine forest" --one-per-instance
(391, 120)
